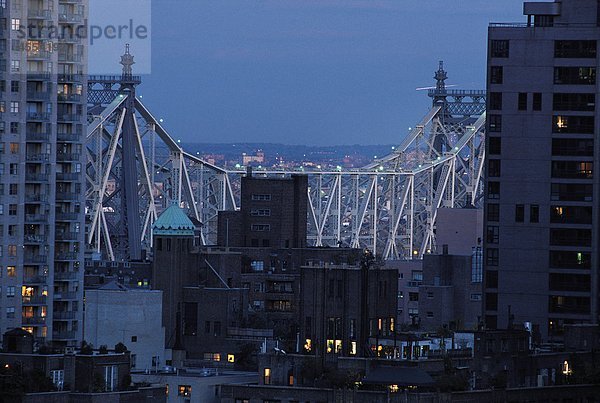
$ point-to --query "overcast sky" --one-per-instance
(317, 72)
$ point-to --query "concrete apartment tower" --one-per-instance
(43, 64)
(542, 190)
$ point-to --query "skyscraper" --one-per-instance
(541, 209)
(43, 56)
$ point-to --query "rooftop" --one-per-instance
(173, 221)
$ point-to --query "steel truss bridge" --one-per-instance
(135, 169)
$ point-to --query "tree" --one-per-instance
(87, 349)
(103, 349)
(120, 348)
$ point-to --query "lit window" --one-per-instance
(15, 24)
(308, 345)
(230, 358)
(184, 390)
(352, 348)
(11, 271)
(267, 376)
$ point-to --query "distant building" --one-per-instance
(249, 160)
(347, 310)
(451, 292)
(410, 277)
(541, 223)
(460, 229)
(273, 214)
(116, 314)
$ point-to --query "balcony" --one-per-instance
(67, 176)
(36, 177)
(37, 157)
(66, 275)
(35, 218)
(64, 335)
(71, 18)
(69, 118)
(68, 196)
(69, 97)
(69, 58)
(38, 137)
(66, 256)
(67, 236)
(67, 295)
(38, 55)
(38, 95)
(34, 259)
(67, 217)
(33, 14)
(36, 198)
(35, 300)
(64, 315)
(34, 280)
(69, 137)
(34, 239)
(38, 75)
(34, 320)
(38, 116)
(70, 78)
(67, 157)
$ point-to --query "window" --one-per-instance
(496, 75)
(10, 291)
(267, 376)
(520, 213)
(58, 378)
(491, 301)
(14, 86)
(494, 145)
(261, 197)
(572, 169)
(10, 312)
(476, 297)
(570, 260)
(184, 390)
(14, 148)
(495, 101)
(522, 104)
(499, 48)
(11, 271)
(217, 328)
(261, 212)
(493, 212)
(12, 250)
(257, 265)
(491, 256)
(491, 279)
(14, 169)
(573, 147)
(110, 378)
(495, 123)
(534, 213)
(14, 106)
(134, 339)
(493, 168)
(133, 360)
(575, 49)
(15, 24)
(493, 190)
(12, 209)
(573, 124)
(492, 234)
(477, 265)
(429, 294)
(571, 214)
(570, 237)
(575, 75)
(15, 66)
(583, 102)
(261, 227)
(413, 296)
(571, 192)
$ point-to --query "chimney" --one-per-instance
(444, 249)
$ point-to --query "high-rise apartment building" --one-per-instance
(43, 56)
(542, 191)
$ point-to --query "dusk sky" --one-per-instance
(316, 72)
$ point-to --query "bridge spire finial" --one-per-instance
(127, 62)
(440, 77)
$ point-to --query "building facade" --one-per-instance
(542, 175)
(42, 125)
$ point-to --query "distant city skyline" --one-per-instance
(321, 72)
